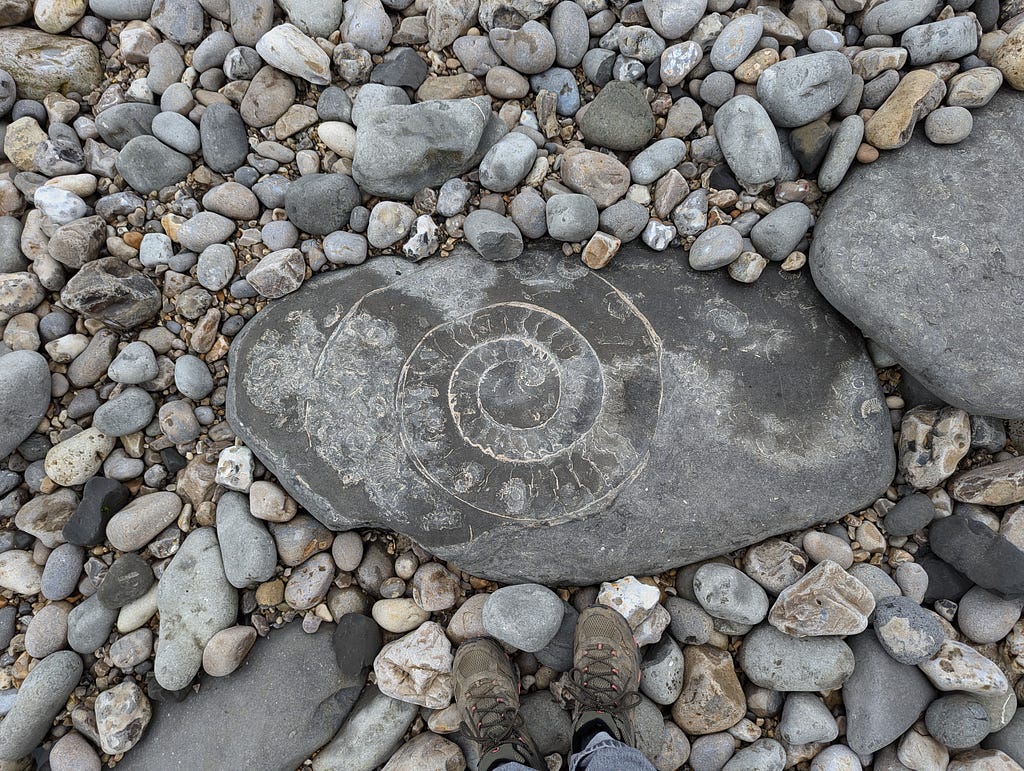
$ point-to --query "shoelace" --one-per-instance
(598, 687)
(495, 721)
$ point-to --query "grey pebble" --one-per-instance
(845, 143)
(690, 624)
(985, 617)
(910, 514)
(779, 232)
(247, 548)
(89, 625)
(494, 237)
(568, 23)
(748, 140)
(958, 720)
(571, 217)
(47, 632)
(177, 132)
(134, 364)
(773, 659)
(715, 247)
(727, 593)
(529, 49)
(309, 582)
(651, 163)
(42, 695)
(944, 40)
(321, 203)
(624, 219)
(507, 163)
(130, 411)
(661, 672)
(736, 42)
(129, 578)
(711, 752)
(907, 632)
(524, 616)
(762, 755)
(948, 125)
(805, 719)
(527, 212)
(215, 267)
(62, 571)
(800, 90)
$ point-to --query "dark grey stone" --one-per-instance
(945, 582)
(1009, 739)
(400, 67)
(321, 203)
(883, 697)
(987, 558)
(108, 290)
(592, 471)
(24, 397)
(281, 705)
(128, 579)
(557, 654)
(401, 149)
(123, 122)
(957, 235)
(102, 498)
(908, 632)
(357, 641)
(958, 720)
(147, 164)
(224, 139)
(619, 118)
(909, 515)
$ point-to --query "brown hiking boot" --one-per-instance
(605, 680)
(487, 695)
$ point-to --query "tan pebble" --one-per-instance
(892, 125)
(1009, 58)
(867, 154)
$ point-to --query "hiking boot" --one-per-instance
(605, 680)
(487, 695)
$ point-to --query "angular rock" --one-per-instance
(916, 313)
(932, 443)
(712, 699)
(997, 484)
(718, 345)
(108, 290)
(402, 149)
(892, 124)
(284, 702)
(417, 668)
(986, 557)
(43, 64)
(122, 714)
(828, 601)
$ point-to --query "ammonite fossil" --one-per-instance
(540, 420)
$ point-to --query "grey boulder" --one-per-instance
(402, 149)
(945, 307)
(282, 704)
(797, 91)
(581, 462)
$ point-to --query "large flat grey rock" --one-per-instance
(537, 421)
(923, 253)
(284, 702)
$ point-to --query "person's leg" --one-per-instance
(487, 695)
(603, 753)
(605, 688)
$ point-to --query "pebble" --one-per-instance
(131, 649)
(974, 88)
(657, 159)
(806, 719)
(748, 141)
(826, 601)
(75, 460)
(910, 514)
(425, 652)
(25, 389)
(986, 618)
(673, 19)
(618, 118)
(774, 564)
(195, 601)
(821, 546)
(846, 142)
(958, 667)
(943, 40)
(321, 203)
(736, 42)
(494, 237)
(148, 165)
(42, 695)
(389, 223)
(883, 697)
(227, 649)
(571, 217)
(529, 50)
(837, 757)
(373, 728)
(601, 177)
(773, 659)
(948, 125)
(716, 247)
(568, 23)
(726, 593)
(398, 615)
(288, 49)
(524, 616)
(661, 673)
(366, 25)
(958, 721)
(712, 751)
(762, 755)
(778, 234)
(47, 632)
(122, 714)
(711, 699)
(128, 579)
(309, 582)
(61, 572)
(246, 547)
(893, 123)
(678, 61)
(125, 414)
(72, 752)
(344, 248)
(798, 91)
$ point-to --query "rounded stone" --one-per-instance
(716, 247)
(571, 217)
(619, 118)
(948, 125)
(726, 593)
(319, 204)
(524, 616)
(907, 632)
(957, 720)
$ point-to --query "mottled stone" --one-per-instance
(43, 64)
(273, 356)
(826, 601)
(953, 235)
(712, 699)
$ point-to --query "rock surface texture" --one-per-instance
(905, 275)
(544, 411)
